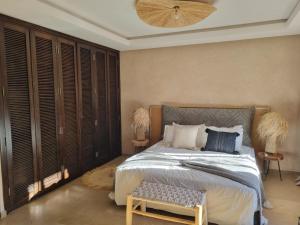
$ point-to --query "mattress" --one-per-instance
(228, 202)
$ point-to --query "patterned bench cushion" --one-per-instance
(170, 194)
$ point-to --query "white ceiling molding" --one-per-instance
(294, 19)
(234, 34)
(133, 35)
(37, 12)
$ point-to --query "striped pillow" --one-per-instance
(221, 141)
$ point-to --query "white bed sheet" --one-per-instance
(229, 202)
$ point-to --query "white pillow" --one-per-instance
(201, 138)
(185, 137)
(239, 129)
(202, 135)
(168, 135)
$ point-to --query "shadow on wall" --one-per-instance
(291, 111)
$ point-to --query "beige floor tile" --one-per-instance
(75, 204)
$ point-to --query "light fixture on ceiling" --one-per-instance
(173, 13)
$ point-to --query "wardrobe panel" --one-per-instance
(20, 149)
(102, 132)
(2, 120)
(47, 108)
(59, 108)
(2, 142)
(114, 104)
(68, 76)
(87, 107)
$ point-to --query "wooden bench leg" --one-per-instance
(198, 215)
(129, 210)
(205, 220)
(143, 206)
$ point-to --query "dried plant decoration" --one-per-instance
(173, 13)
(140, 123)
(272, 129)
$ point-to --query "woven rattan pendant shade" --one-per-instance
(172, 13)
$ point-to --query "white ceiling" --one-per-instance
(120, 15)
(114, 23)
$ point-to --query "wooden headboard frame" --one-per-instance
(156, 120)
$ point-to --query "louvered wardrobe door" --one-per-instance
(47, 108)
(114, 104)
(87, 107)
(102, 134)
(68, 82)
(19, 117)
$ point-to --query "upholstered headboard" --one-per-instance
(156, 120)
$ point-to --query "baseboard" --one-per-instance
(3, 214)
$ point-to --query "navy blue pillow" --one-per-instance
(221, 141)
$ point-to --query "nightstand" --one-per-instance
(140, 145)
(267, 158)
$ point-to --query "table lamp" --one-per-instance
(141, 123)
(272, 129)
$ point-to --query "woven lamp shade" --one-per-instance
(172, 13)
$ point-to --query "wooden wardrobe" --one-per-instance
(59, 109)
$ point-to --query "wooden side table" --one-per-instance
(267, 158)
(140, 145)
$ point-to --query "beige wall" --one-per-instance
(262, 71)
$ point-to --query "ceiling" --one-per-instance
(114, 23)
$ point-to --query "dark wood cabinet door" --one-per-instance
(3, 149)
(87, 107)
(102, 132)
(47, 92)
(69, 105)
(59, 108)
(19, 156)
(114, 104)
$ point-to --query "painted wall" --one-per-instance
(261, 71)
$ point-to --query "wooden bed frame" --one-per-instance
(156, 121)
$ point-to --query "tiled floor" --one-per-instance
(285, 198)
(75, 204)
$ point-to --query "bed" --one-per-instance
(229, 202)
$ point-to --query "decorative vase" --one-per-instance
(140, 134)
(271, 144)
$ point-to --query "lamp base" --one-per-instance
(271, 145)
(140, 134)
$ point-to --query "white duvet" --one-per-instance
(229, 202)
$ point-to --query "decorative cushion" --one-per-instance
(168, 135)
(237, 129)
(221, 141)
(201, 135)
(211, 117)
(185, 137)
(200, 139)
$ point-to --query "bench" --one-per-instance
(170, 196)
